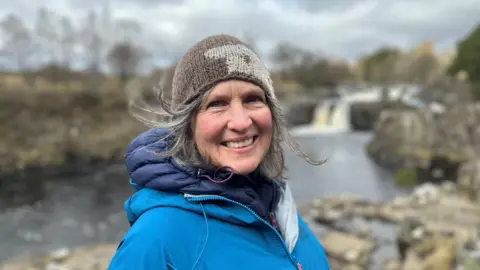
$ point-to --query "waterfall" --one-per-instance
(332, 114)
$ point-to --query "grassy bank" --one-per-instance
(47, 128)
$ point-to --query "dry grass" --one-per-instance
(49, 128)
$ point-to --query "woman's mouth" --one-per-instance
(240, 144)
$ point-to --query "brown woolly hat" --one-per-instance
(212, 60)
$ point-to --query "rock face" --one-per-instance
(363, 115)
(420, 137)
(469, 179)
(300, 112)
(459, 128)
(403, 137)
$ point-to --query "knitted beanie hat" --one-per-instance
(212, 60)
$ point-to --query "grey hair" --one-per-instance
(183, 148)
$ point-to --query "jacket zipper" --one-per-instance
(273, 221)
(220, 198)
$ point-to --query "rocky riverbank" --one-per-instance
(436, 227)
(83, 258)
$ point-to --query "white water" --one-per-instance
(330, 117)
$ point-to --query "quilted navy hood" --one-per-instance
(147, 169)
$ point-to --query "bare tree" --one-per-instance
(128, 30)
(18, 43)
(47, 34)
(68, 37)
(286, 54)
(124, 59)
(311, 70)
(93, 43)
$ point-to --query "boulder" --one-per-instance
(348, 250)
(458, 132)
(431, 254)
(403, 137)
(419, 137)
(469, 179)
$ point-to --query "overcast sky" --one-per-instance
(342, 28)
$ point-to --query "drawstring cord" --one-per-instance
(215, 178)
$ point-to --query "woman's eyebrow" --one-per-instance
(253, 91)
(218, 96)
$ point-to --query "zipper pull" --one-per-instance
(273, 221)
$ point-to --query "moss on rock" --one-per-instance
(406, 177)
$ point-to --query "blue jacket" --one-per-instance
(175, 229)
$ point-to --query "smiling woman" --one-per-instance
(210, 191)
(233, 127)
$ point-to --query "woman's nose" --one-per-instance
(239, 119)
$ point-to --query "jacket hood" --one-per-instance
(160, 182)
(147, 169)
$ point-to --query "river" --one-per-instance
(89, 209)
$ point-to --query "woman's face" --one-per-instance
(234, 126)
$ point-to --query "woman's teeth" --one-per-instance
(239, 144)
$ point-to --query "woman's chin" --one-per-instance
(244, 169)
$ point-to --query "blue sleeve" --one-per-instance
(136, 252)
(325, 264)
(157, 240)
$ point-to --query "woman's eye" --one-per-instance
(215, 103)
(254, 99)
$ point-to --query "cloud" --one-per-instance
(146, 4)
(326, 6)
(411, 22)
(342, 28)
